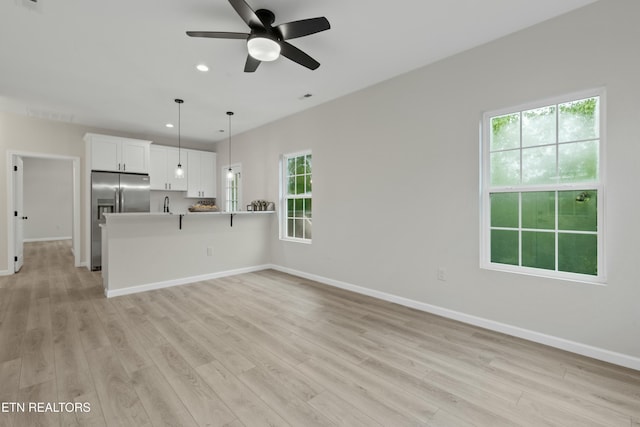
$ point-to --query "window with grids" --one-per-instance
(542, 189)
(297, 177)
(231, 176)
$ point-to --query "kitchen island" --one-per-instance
(144, 251)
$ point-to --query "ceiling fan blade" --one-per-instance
(251, 65)
(218, 35)
(304, 27)
(246, 13)
(296, 55)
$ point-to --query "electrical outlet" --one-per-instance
(442, 274)
(209, 251)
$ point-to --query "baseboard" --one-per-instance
(552, 341)
(181, 281)
(46, 239)
(5, 273)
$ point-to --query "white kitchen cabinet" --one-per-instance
(164, 161)
(201, 174)
(116, 154)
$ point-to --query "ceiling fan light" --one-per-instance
(263, 48)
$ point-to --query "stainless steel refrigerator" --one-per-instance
(113, 192)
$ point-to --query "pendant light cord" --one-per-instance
(179, 102)
(229, 113)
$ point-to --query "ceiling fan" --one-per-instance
(266, 42)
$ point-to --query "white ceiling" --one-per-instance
(119, 64)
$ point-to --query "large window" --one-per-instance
(542, 189)
(296, 197)
(232, 179)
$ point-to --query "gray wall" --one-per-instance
(396, 178)
(48, 199)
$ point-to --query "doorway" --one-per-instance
(16, 200)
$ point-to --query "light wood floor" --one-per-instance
(272, 349)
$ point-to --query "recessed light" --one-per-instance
(169, 125)
(202, 67)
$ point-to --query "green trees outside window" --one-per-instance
(543, 187)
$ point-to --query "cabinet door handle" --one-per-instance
(165, 185)
(169, 186)
(124, 166)
(118, 166)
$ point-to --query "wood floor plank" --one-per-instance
(130, 352)
(37, 357)
(233, 360)
(119, 401)
(194, 352)
(357, 396)
(93, 417)
(340, 412)
(90, 328)
(159, 399)
(286, 403)
(38, 393)
(248, 407)
(202, 402)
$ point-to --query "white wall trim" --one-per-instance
(561, 343)
(48, 239)
(5, 273)
(182, 281)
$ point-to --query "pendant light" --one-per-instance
(230, 172)
(179, 171)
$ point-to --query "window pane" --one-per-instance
(577, 210)
(505, 132)
(308, 163)
(579, 120)
(504, 247)
(539, 210)
(578, 162)
(307, 208)
(539, 126)
(298, 228)
(307, 229)
(300, 179)
(291, 166)
(539, 250)
(504, 210)
(300, 165)
(299, 208)
(539, 165)
(290, 208)
(505, 168)
(578, 253)
(290, 228)
(308, 183)
(291, 188)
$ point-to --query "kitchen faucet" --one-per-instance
(166, 204)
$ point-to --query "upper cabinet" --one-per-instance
(116, 154)
(201, 174)
(164, 161)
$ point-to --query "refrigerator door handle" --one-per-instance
(122, 207)
(117, 201)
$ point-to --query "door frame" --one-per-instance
(76, 240)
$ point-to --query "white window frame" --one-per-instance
(236, 169)
(284, 196)
(486, 189)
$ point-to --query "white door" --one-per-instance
(19, 214)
